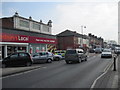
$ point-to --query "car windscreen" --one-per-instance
(71, 52)
(106, 50)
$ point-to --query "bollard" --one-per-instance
(114, 64)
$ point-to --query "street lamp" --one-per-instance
(82, 34)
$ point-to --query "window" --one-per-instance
(71, 52)
(24, 23)
(49, 54)
(45, 28)
(36, 54)
(14, 56)
(23, 54)
(80, 51)
(36, 26)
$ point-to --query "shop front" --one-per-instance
(13, 43)
(23, 43)
(37, 44)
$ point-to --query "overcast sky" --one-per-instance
(99, 16)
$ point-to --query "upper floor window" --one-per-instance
(36, 26)
(46, 28)
(24, 23)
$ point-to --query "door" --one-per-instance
(43, 57)
(13, 59)
(23, 58)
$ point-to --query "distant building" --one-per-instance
(71, 39)
(111, 42)
(95, 41)
(22, 34)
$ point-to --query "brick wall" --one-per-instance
(7, 22)
(66, 42)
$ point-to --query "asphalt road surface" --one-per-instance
(60, 75)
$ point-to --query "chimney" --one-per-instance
(40, 21)
(30, 17)
(16, 14)
(50, 23)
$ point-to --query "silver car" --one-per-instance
(106, 53)
(42, 57)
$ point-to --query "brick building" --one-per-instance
(95, 41)
(71, 39)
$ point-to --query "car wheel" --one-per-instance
(79, 60)
(49, 61)
(4, 66)
(86, 59)
(67, 62)
(28, 64)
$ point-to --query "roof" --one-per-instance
(71, 33)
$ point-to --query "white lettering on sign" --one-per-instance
(39, 40)
(21, 38)
(52, 41)
(42, 40)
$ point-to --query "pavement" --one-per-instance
(14, 70)
(110, 78)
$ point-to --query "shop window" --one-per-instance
(21, 49)
(11, 49)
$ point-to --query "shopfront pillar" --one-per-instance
(5, 51)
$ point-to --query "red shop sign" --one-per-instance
(5, 37)
(42, 40)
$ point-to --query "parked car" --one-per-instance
(106, 53)
(57, 57)
(117, 50)
(98, 50)
(75, 55)
(20, 58)
(42, 57)
(91, 50)
(60, 52)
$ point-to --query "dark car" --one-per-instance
(75, 55)
(42, 57)
(117, 50)
(20, 58)
(91, 50)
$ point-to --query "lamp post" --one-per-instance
(82, 34)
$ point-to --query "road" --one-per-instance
(60, 75)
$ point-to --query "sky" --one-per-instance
(99, 16)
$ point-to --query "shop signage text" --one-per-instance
(5, 37)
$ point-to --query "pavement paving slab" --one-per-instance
(13, 70)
